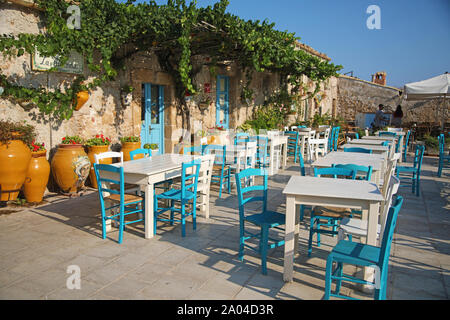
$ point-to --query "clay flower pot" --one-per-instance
(92, 150)
(14, 160)
(70, 167)
(130, 146)
(37, 177)
(82, 97)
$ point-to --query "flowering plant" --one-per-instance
(99, 140)
(129, 139)
(72, 140)
(152, 146)
(37, 146)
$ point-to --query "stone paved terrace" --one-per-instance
(38, 244)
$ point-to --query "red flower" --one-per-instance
(64, 138)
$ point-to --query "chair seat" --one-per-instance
(128, 198)
(356, 226)
(355, 253)
(175, 194)
(332, 212)
(269, 218)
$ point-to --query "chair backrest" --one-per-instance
(327, 133)
(366, 170)
(441, 139)
(241, 137)
(387, 133)
(241, 178)
(109, 154)
(145, 152)
(385, 143)
(292, 137)
(261, 150)
(194, 150)
(293, 128)
(206, 167)
(335, 172)
(101, 182)
(418, 157)
(391, 190)
(388, 234)
(312, 134)
(219, 151)
(357, 149)
(189, 181)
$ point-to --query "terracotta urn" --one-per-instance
(82, 97)
(37, 177)
(15, 157)
(70, 167)
(92, 150)
(130, 146)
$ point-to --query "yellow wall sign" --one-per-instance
(73, 65)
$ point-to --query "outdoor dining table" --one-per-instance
(355, 194)
(400, 135)
(377, 149)
(362, 159)
(238, 154)
(148, 171)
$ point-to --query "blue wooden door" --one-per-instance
(222, 101)
(153, 115)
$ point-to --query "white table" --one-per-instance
(357, 194)
(383, 138)
(400, 135)
(371, 142)
(274, 141)
(148, 171)
(377, 149)
(240, 153)
(360, 159)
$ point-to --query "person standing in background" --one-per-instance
(397, 117)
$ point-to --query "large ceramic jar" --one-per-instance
(70, 167)
(14, 160)
(93, 150)
(130, 146)
(82, 98)
(37, 177)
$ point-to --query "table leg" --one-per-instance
(271, 158)
(289, 238)
(149, 212)
(401, 149)
(285, 155)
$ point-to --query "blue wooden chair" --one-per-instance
(293, 148)
(241, 137)
(405, 146)
(122, 204)
(262, 155)
(362, 255)
(410, 176)
(362, 172)
(221, 170)
(265, 219)
(324, 215)
(186, 196)
(302, 173)
(331, 139)
(444, 159)
(387, 133)
(336, 138)
(357, 149)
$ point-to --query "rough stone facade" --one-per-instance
(104, 112)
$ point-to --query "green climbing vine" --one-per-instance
(175, 32)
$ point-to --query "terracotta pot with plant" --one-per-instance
(15, 157)
(70, 166)
(97, 145)
(130, 143)
(37, 175)
(153, 147)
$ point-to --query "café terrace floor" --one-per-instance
(37, 245)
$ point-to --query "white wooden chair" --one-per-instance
(204, 183)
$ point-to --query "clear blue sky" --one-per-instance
(413, 43)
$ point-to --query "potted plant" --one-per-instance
(153, 147)
(70, 165)
(126, 95)
(96, 145)
(130, 143)
(37, 174)
(15, 157)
